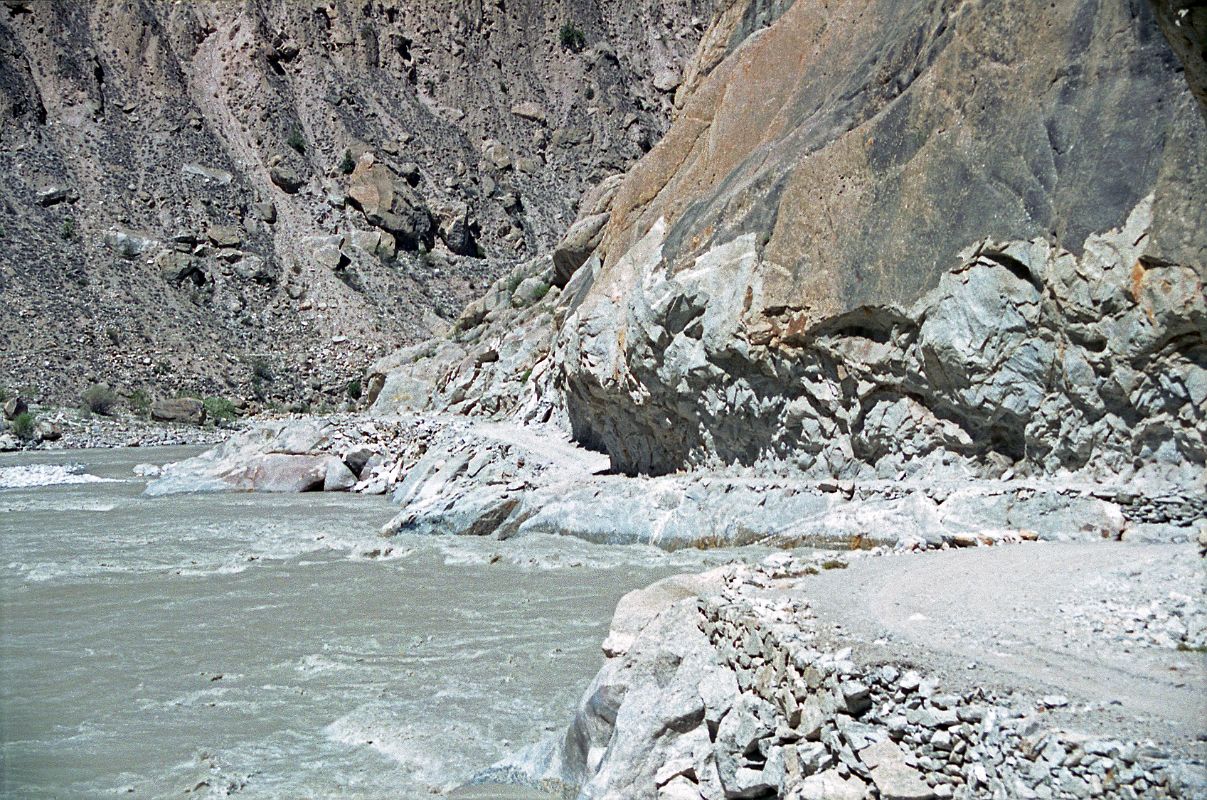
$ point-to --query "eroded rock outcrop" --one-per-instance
(793, 274)
(710, 322)
(1024, 356)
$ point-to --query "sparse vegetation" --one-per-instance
(572, 37)
(67, 229)
(260, 368)
(3, 394)
(541, 291)
(219, 409)
(347, 164)
(353, 389)
(24, 425)
(296, 141)
(100, 399)
(261, 376)
(527, 374)
(140, 403)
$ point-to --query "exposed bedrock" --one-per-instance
(809, 268)
(1023, 356)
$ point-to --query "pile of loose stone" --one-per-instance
(808, 722)
(1142, 611)
(377, 451)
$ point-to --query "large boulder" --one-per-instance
(577, 245)
(179, 409)
(274, 457)
(389, 203)
(286, 177)
(14, 406)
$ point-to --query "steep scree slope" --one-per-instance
(185, 186)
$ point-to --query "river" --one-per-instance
(274, 645)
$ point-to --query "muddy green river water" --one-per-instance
(275, 646)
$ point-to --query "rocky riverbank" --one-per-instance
(734, 684)
(453, 475)
(72, 429)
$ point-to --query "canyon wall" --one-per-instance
(190, 189)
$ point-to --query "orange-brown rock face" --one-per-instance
(777, 279)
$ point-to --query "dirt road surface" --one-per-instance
(1036, 619)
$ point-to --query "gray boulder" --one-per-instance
(179, 409)
(286, 178)
(577, 245)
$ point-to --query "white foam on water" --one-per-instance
(31, 476)
(54, 504)
(316, 663)
(422, 753)
(544, 552)
(209, 696)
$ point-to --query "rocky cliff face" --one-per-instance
(800, 274)
(187, 187)
(926, 240)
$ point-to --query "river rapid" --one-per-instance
(274, 645)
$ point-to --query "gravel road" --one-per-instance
(1086, 622)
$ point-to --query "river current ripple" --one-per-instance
(275, 646)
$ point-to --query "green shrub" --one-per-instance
(3, 394)
(260, 368)
(296, 141)
(541, 291)
(354, 389)
(572, 37)
(219, 409)
(348, 164)
(100, 399)
(140, 403)
(24, 424)
(67, 229)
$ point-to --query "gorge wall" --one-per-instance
(800, 263)
(187, 190)
(906, 238)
